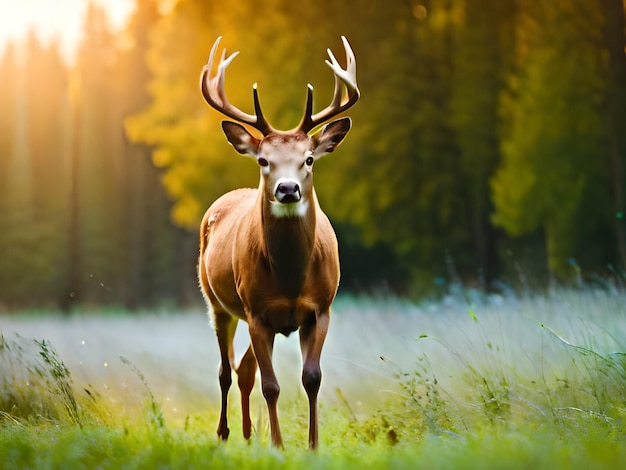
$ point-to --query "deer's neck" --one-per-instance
(289, 244)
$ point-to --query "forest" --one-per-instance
(488, 148)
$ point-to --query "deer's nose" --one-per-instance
(287, 192)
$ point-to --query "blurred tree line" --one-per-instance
(489, 144)
(84, 217)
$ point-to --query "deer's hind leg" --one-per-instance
(225, 327)
(245, 379)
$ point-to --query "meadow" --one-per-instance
(468, 381)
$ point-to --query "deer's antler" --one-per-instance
(347, 77)
(215, 95)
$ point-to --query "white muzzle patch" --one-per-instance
(291, 209)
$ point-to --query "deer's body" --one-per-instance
(287, 269)
(269, 256)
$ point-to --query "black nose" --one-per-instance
(288, 191)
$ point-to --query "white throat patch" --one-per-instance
(292, 209)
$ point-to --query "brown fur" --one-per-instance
(277, 274)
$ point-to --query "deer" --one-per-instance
(269, 256)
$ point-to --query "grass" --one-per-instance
(466, 382)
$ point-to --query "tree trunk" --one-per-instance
(615, 41)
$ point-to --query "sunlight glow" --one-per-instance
(59, 20)
(420, 12)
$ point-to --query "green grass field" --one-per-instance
(466, 382)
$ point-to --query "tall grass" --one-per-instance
(469, 381)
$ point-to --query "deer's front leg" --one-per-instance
(312, 336)
(263, 345)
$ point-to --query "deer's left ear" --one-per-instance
(330, 136)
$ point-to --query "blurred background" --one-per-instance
(487, 150)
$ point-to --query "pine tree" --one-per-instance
(153, 260)
(16, 190)
(99, 164)
(481, 65)
(48, 128)
(553, 174)
(614, 40)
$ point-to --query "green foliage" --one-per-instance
(188, 142)
(606, 372)
(24, 394)
(488, 133)
(61, 380)
(155, 413)
(427, 400)
(480, 409)
(554, 171)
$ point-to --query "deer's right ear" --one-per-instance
(244, 142)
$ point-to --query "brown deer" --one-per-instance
(269, 256)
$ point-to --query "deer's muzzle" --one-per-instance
(287, 192)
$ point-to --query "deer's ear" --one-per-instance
(244, 142)
(330, 136)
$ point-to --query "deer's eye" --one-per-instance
(263, 162)
(309, 161)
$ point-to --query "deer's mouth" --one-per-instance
(288, 209)
(289, 198)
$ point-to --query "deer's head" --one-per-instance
(286, 158)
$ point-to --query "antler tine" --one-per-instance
(346, 77)
(215, 94)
